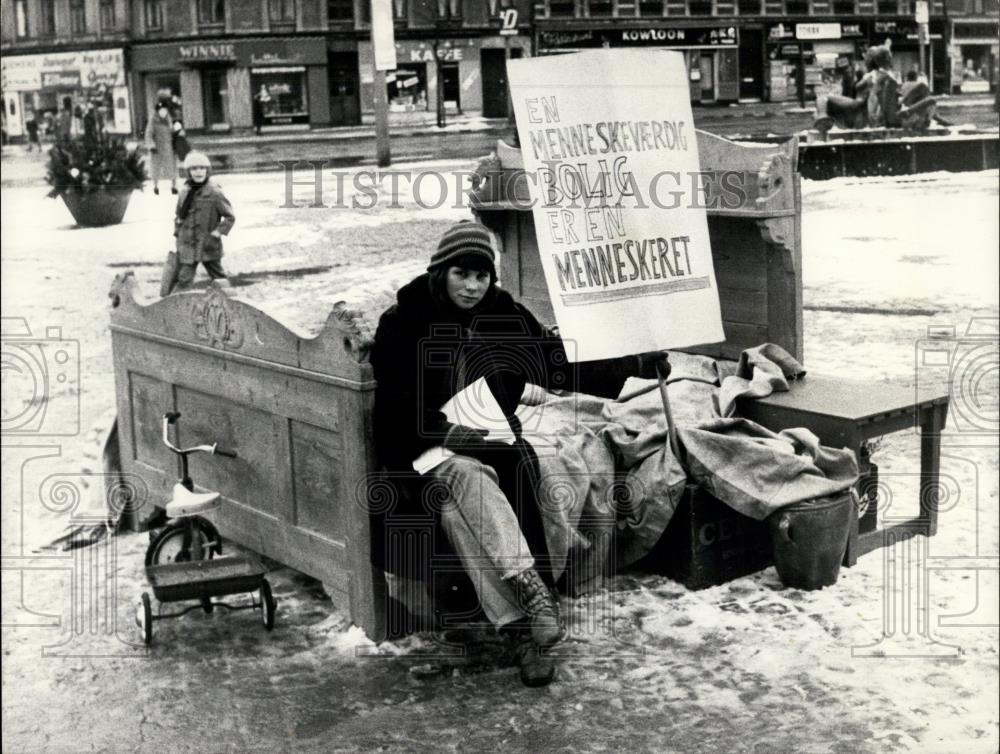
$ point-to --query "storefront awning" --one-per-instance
(280, 69)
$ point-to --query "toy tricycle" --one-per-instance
(180, 562)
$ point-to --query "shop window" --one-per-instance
(450, 87)
(797, 7)
(749, 7)
(77, 17)
(562, 8)
(843, 7)
(47, 20)
(887, 7)
(107, 13)
(651, 8)
(21, 17)
(699, 7)
(215, 90)
(281, 11)
(280, 96)
(211, 12)
(153, 14)
(339, 11)
(449, 10)
(407, 88)
(599, 8)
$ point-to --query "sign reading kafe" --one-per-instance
(611, 161)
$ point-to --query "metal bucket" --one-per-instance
(810, 538)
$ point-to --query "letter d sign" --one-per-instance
(508, 21)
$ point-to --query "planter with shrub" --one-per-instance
(95, 177)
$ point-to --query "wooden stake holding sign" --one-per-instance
(662, 373)
(618, 202)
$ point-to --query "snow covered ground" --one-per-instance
(746, 667)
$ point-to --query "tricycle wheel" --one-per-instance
(144, 619)
(268, 605)
(207, 605)
(168, 545)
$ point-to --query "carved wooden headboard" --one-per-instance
(756, 246)
(296, 410)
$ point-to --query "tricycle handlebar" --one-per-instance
(171, 418)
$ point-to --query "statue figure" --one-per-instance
(876, 101)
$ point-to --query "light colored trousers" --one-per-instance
(485, 534)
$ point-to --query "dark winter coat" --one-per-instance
(210, 210)
(419, 344)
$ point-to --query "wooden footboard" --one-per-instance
(296, 410)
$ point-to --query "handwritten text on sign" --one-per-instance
(601, 134)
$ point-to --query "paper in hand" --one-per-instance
(474, 406)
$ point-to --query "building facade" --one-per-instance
(64, 52)
(287, 64)
(237, 64)
(780, 49)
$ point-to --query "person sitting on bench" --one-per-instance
(450, 327)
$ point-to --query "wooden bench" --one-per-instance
(298, 410)
(846, 414)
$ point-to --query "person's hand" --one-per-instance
(461, 439)
(217, 234)
(646, 364)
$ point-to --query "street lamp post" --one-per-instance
(921, 12)
(439, 73)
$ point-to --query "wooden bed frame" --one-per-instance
(298, 410)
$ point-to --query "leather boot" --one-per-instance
(536, 668)
(535, 599)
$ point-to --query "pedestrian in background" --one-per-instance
(31, 126)
(160, 143)
(260, 102)
(93, 123)
(64, 122)
(204, 215)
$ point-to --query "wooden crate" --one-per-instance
(708, 543)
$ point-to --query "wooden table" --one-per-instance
(847, 413)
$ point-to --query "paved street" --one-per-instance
(471, 138)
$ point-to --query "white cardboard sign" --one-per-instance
(608, 142)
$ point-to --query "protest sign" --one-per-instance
(609, 149)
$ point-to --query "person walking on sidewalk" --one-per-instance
(159, 142)
(203, 216)
(31, 126)
(261, 101)
(450, 327)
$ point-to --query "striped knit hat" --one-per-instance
(465, 239)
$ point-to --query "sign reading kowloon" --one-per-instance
(625, 275)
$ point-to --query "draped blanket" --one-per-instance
(610, 482)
